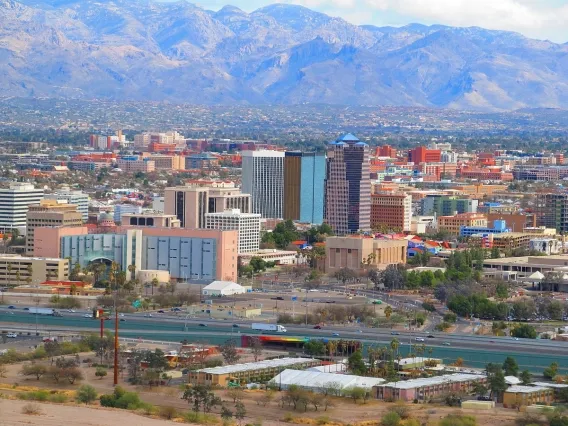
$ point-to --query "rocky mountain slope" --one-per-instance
(282, 54)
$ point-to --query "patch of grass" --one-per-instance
(288, 417)
(200, 418)
(39, 395)
(31, 409)
(322, 420)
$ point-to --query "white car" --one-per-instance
(420, 339)
(12, 335)
(88, 316)
(148, 315)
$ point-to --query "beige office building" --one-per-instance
(190, 203)
(350, 252)
(49, 213)
(31, 270)
(154, 219)
(166, 162)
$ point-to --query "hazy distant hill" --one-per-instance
(144, 50)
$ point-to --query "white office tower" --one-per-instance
(79, 198)
(263, 178)
(247, 224)
(14, 203)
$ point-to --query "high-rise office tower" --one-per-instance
(14, 202)
(348, 186)
(263, 178)
(304, 177)
(190, 203)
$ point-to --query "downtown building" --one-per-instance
(391, 210)
(15, 202)
(304, 178)
(246, 224)
(348, 186)
(552, 211)
(191, 203)
(186, 254)
(263, 178)
(78, 198)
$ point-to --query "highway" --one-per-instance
(475, 350)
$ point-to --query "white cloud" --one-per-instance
(531, 17)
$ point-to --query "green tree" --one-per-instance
(524, 331)
(257, 264)
(510, 366)
(101, 372)
(526, 377)
(344, 275)
(497, 383)
(314, 347)
(551, 371)
(86, 394)
(495, 254)
(356, 363)
(501, 291)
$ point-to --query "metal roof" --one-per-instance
(348, 138)
(436, 380)
(249, 366)
(527, 389)
(318, 380)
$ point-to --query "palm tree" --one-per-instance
(132, 270)
(394, 345)
(154, 283)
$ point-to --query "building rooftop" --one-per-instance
(437, 380)
(272, 363)
(527, 389)
(318, 379)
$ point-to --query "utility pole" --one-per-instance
(306, 306)
(115, 336)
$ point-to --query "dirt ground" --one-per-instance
(57, 415)
(344, 411)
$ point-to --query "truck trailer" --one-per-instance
(268, 327)
(44, 311)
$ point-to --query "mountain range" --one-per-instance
(279, 54)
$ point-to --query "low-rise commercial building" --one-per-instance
(319, 381)
(251, 372)
(523, 396)
(453, 224)
(425, 389)
(133, 166)
(499, 227)
(351, 252)
(31, 270)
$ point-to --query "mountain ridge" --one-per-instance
(278, 54)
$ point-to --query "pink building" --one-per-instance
(47, 240)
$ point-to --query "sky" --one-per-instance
(541, 19)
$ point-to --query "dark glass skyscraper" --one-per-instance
(304, 176)
(348, 186)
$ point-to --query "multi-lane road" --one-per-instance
(475, 350)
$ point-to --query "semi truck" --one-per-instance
(268, 327)
(44, 311)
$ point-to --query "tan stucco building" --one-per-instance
(350, 252)
(32, 270)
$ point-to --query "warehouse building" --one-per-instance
(316, 381)
(425, 389)
(252, 372)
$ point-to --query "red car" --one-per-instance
(318, 327)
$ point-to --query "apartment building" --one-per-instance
(166, 162)
(392, 210)
(49, 213)
(14, 204)
(144, 165)
(453, 224)
(247, 225)
(190, 203)
(353, 251)
(444, 205)
(263, 178)
(348, 186)
(18, 270)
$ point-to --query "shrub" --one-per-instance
(86, 394)
(167, 413)
(122, 399)
(390, 419)
(59, 398)
(288, 417)
(101, 372)
(322, 420)
(401, 410)
(31, 409)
